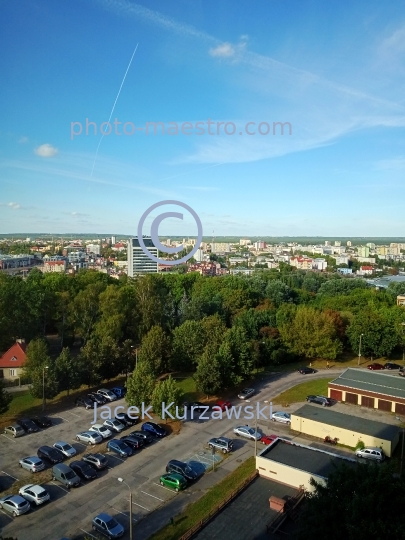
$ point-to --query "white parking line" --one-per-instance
(85, 532)
(9, 475)
(74, 414)
(5, 513)
(66, 420)
(63, 489)
(119, 511)
(116, 457)
(164, 487)
(140, 506)
(153, 496)
(78, 442)
(12, 440)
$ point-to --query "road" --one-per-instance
(69, 513)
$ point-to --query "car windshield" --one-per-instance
(111, 524)
(115, 422)
(70, 475)
(188, 469)
(251, 431)
(65, 446)
(21, 504)
(41, 493)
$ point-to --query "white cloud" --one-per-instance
(225, 50)
(46, 150)
(13, 205)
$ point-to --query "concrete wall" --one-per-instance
(286, 475)
(344, 436)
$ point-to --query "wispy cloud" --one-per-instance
(12, 205)
(46, 150)
(23, 140)
(224, 50)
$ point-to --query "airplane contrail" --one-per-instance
(113, 107)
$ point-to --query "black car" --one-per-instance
(84, 402)
(179, 467)
(391, 365)
(154, 429)
(133, 442)
(98, 461)
(42, 421)
(84, 470)
(50, 454)
(320, 400)
(142, 435)
(126, 420)
(97, 398)
(306, 370)
(27, 425)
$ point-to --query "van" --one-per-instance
(375, 454)
(65, 475)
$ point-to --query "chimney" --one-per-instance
(20, 340)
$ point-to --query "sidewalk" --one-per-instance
(22, 388)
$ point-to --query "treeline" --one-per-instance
(222, 329)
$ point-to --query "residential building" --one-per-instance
(363, 251)
(244, 242)
(342, 259)
(54, 266)
(220, 247)
(138, 261)
(207, 269)
(370, 260)
(401, 300)
(370, 245)
(301, 263)
(338, 243)
(7, 262)
(113, 240)
(93, 248)
(381, 250)
(348, 243)
(319, 264)
(12, 361)
(259, 245)
(365, 271)
(345, 271)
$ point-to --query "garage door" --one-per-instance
(367, 402)
(384, 405)
(336, 394)
(352, 398)
(400, 408)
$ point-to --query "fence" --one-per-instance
(16, 382)
(191, 532)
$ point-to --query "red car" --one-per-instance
(222, 405)
(375, 366)
(268, 439)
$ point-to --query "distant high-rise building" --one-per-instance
(244, 242)
(113, 240)
(327, 243)
(348, 243)
(338, 243)
(370, 245)
(138, 261)
(363, 251)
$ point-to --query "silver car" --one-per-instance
(282, 417)
(248, 432)
(373, 453)
(107, 394)
(66, 448)
(246, 393)
(14, 430)
(34, 493)
(15, 505)
(32, 464)
(114, 425)
(89, 437)
(101, 430)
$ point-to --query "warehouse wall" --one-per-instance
(286, 475)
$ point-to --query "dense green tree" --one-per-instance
(279, 293)
(208, 377)
(155, 350)
(40, 370)
(140, 386)
(68, 371)
(187, 345)
(5, 398)
(166, 392)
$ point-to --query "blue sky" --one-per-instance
(336, 74)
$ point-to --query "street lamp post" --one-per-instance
(43, 387)
(358, 363)
(136, 355)
(130, 506)
(403, 348)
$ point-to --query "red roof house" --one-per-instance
(12, 361)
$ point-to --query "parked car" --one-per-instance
(179, 467)
(101, 430)
(107, 525)
(282, 417)
(119, 391)
(27, 425)
(402, 371)
(374, 367)
(47, 453)
(98, 461)
(197, 406)
(35, 494)
(119, 447)
(83, 469)
(320, 400)
(174, 481)
(306, 370)
(391, 365)
(84, 402)
(97, 398)
(133, 442)
(65, 475)
(32, 464)
(247, 432)
(110, 396)
(223, 405)
(246, 393)
(143, 435)
(375, 454)
(15, 505)
(114, 425)
(223, 444)
(14, 431)
(268, 439)
(125, 419)
(66, 448)
(89, 437)
(42, 421)
(154, 429)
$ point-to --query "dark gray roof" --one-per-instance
(386, 432)
(304, 458)
(370, 381)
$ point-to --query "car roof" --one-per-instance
(103, 516)
(32, 458)
(63, 442)
(34, 487)
(177, 462)
(373, 448)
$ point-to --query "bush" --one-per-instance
(360, 445)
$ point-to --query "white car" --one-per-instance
(110, 396)
(89, 437)
(32, 464)
(34, 493)
(101, 430)
(248, 432)
(66, 448)
(282, 417)
(114, 425)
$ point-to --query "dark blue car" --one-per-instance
(154, 429)
(120, 448)
(119, 391)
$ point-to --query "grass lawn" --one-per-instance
(301, 391)
(198, 510)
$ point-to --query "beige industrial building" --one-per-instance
(295, 464)
(348, 429)
(370, 389)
